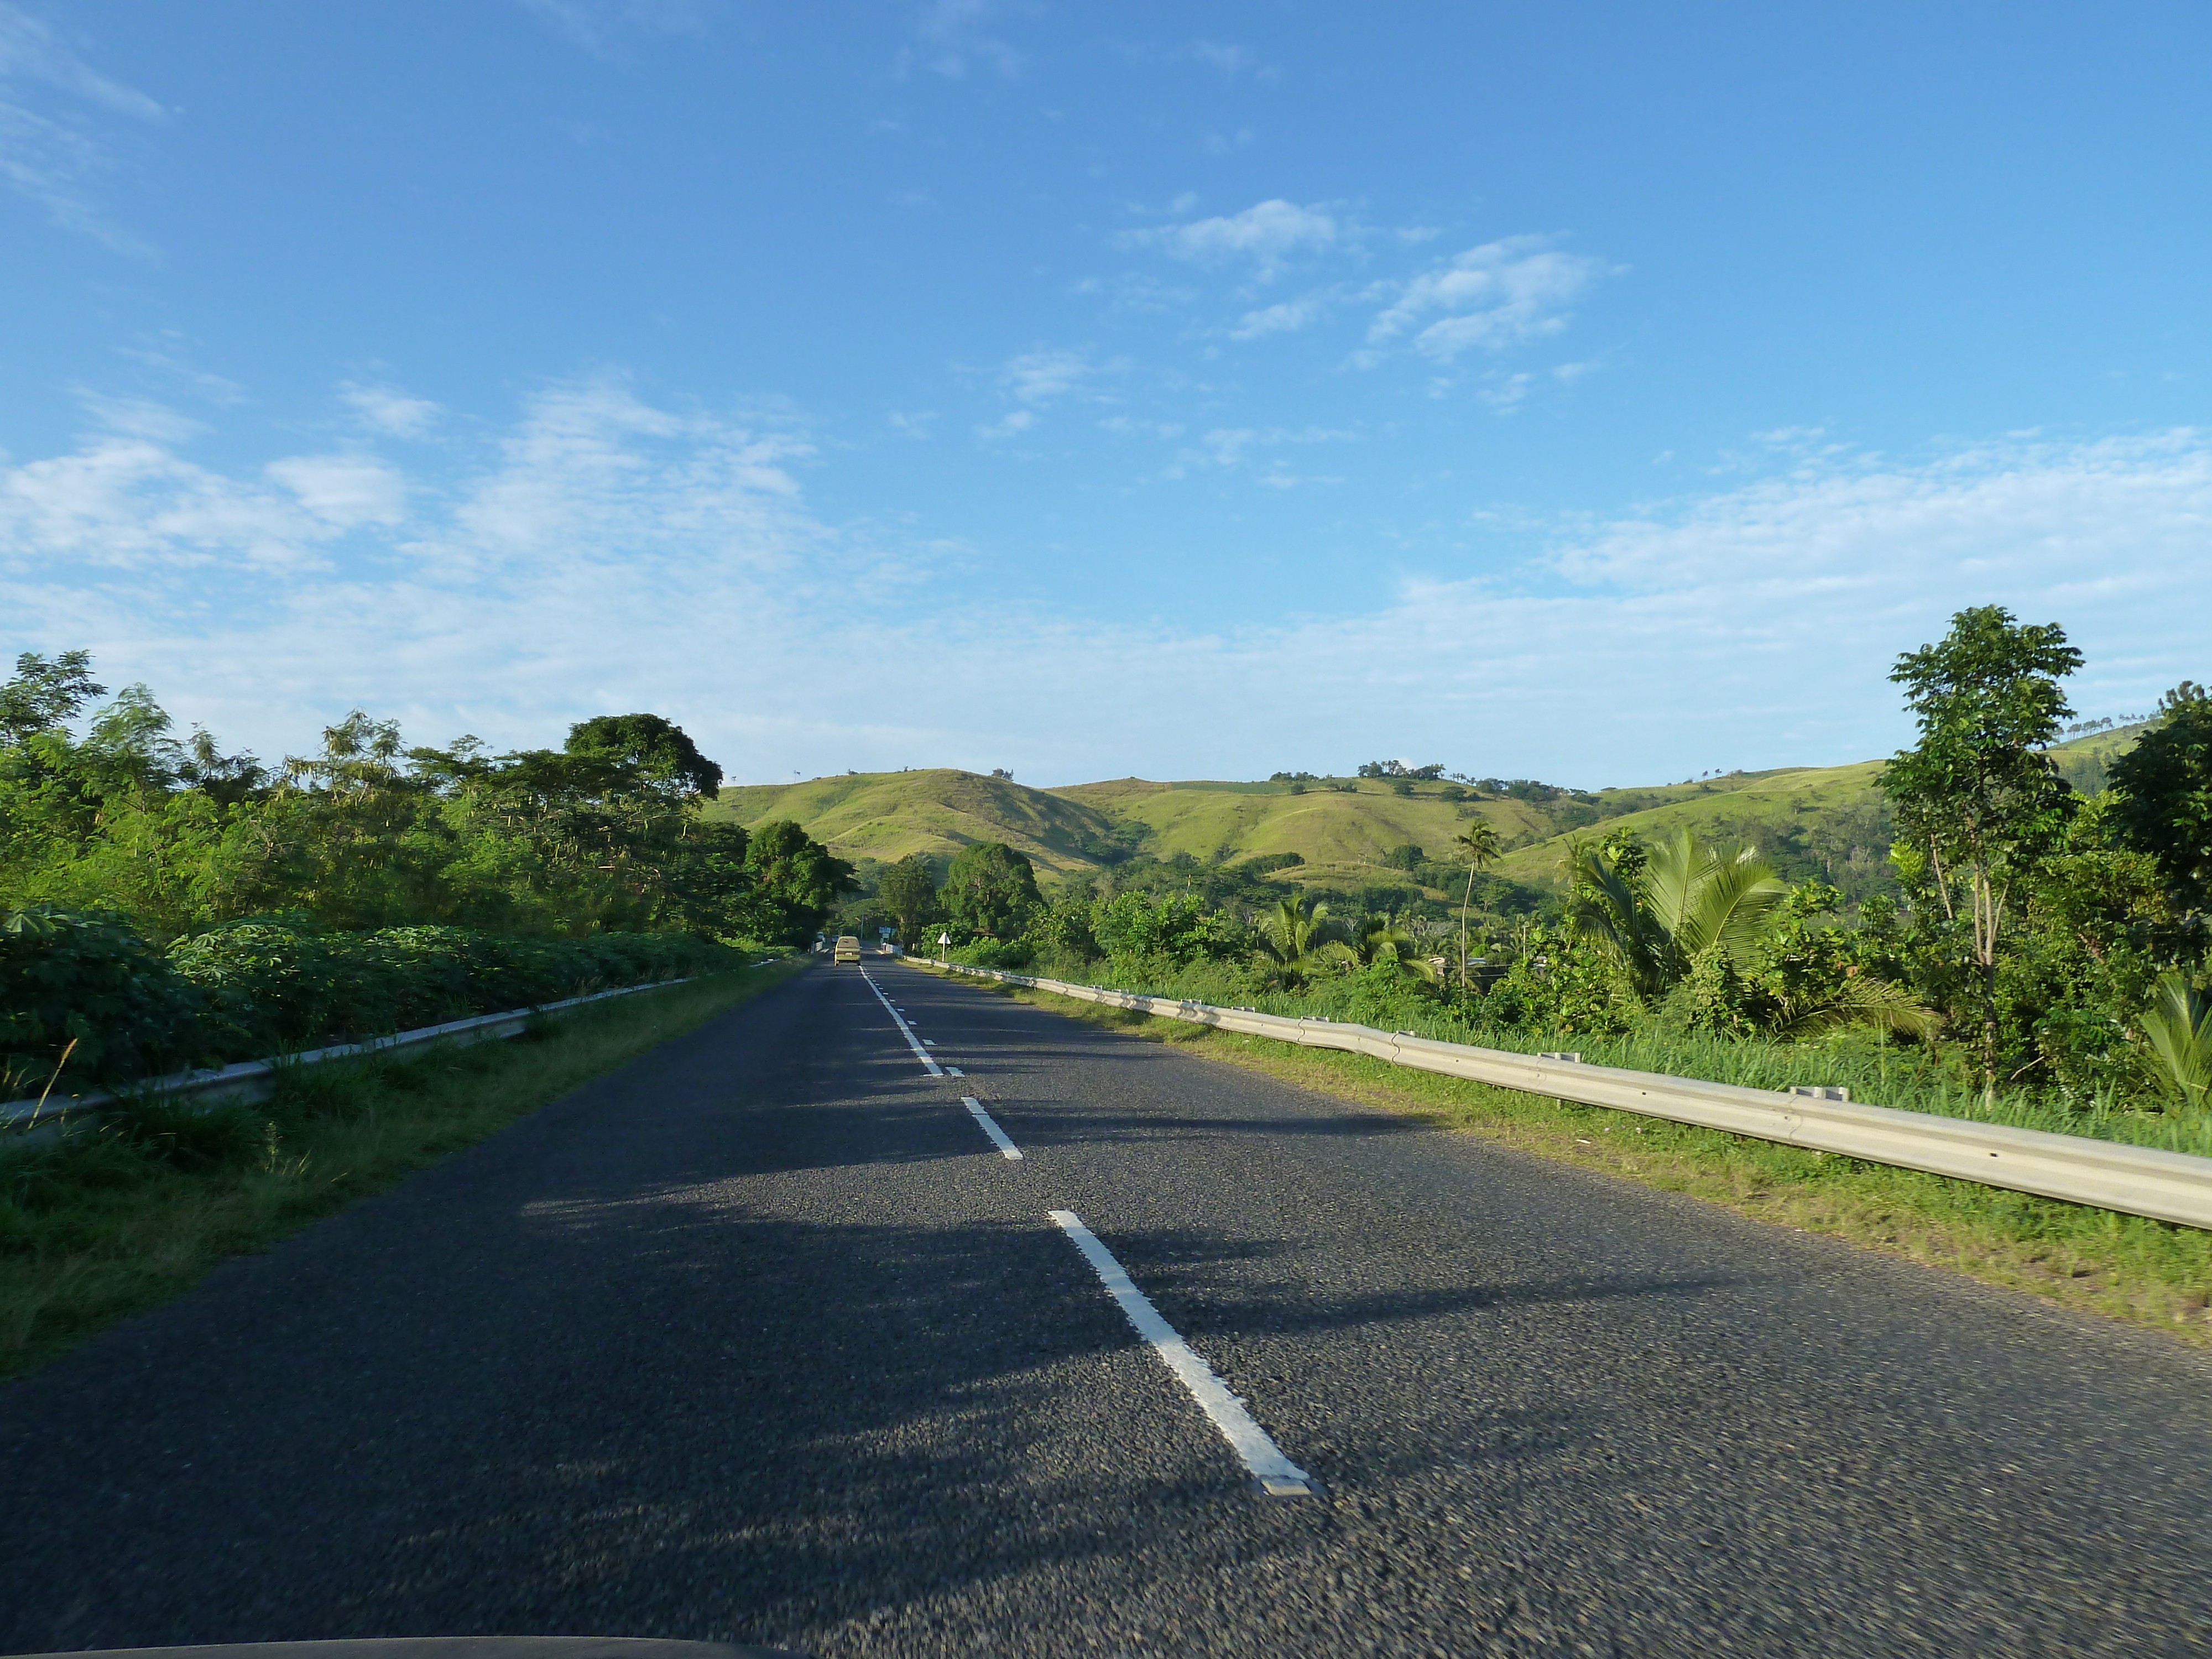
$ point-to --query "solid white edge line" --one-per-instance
(935, 1070)
(1273, 1473)
(991, 1128)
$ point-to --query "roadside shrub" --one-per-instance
(1383, 997)
(272, 984)
(1011, 956)
(86, 977)
(265, 985)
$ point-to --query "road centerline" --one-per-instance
(990, 1127)
(906, 1031)
(1273, 1475)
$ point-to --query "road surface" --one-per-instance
(764, 1338)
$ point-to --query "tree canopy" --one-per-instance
(102, 808)
(991, 889)
(2163, 787)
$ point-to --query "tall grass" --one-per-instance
(1877, 1070)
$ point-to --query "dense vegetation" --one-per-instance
(163, 903)
(2033, 950)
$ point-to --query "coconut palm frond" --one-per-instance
(2178, 1027)
(1379, 940)
(1675, 872)
(1297, 929)
(1863, 1000)
(1732, 905)
(1478, 842)
(1607, 906)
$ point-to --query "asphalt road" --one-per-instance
(761, 1339)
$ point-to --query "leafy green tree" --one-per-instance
(799, 881)
(1563, 983)
(1179, 927)
(1809, 974)
(1980, 805)
(1065, 926)
(665, 758)
(1378, 942)
(2163, 787)
(908, 891)
(45, 696)
(991, 889)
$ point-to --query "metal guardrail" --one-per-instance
(2144, 1180)
(255, 1079)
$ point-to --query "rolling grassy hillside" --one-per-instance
(1342, 836)
(888, 815)
(1829, 820)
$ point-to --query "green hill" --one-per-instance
(1342, 831)
(938, 810)
(1827, 821)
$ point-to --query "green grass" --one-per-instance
(938, 810)
(2091, 1260)
(113, 1220)
(1341, 836)
(1876, 1071)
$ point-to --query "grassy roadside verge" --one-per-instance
(107, 1224)
(2125, 1267)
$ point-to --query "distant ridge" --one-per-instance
(1829, 820)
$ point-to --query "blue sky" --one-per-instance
(1607, 393)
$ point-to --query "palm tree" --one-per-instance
(1479, 845)
(1682, 900)
(2179, 1027)
(1667, 909)
(1860, 1000)
(1379, 940)
(1296, 929)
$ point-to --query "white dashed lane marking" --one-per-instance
(1274, 1475)
(913, 1041)
(1012, 1153)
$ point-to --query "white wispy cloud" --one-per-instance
(1034, 382)
(344, 490)
(1499, 295)
(1287, 318)
(606, 553)
(53, 156)
(388, 410)
(952, 30)
(1016, 422)
(596, 25)
(1265, 234)
(1229, 58)
(1044, 377)
(126, 503)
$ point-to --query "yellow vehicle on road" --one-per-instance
(849, 949)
